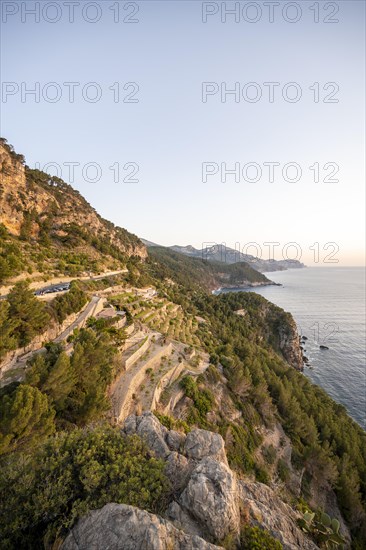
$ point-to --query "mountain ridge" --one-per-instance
(49, 224)
(224, 254)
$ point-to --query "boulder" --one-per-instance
(148, 427)
(177, 469)
(175, 440)
(183, 520)
(130, 425)
(200, 444)
(123, 527)
(211, 497)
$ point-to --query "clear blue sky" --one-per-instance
(170, 132)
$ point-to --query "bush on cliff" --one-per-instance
(46, 492)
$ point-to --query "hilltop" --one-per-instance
(47, 226)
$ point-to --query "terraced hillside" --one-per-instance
(163, 316)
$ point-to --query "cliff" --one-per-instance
(53, 217)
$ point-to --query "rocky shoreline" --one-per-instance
(244, 286)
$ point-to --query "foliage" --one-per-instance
(324, 529)
(11, 258)
(172, 423)
(202, 398)
(196, 273)
(30, 314)
(77, 386)
(23, 316)
(44, 493)
(68, 303)
(254, 538)
(26, 417)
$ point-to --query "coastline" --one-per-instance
(328, 316)
(240, 288)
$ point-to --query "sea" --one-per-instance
(328, 305)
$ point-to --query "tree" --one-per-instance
(26, 417)
(60, 382)
(30, 313)
(8, 340)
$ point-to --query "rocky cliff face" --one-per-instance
(208, 501)
(41, 201)
(289, 344)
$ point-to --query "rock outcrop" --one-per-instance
(268, 511)
(207, 504)
(211, 497)
(55, 203)
(123, 527)
(289, 344)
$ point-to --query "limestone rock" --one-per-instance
(148, 427)
(175, 440)
(183, 520)
(201, 443)
(211, 497)
(178, 470)
(123, 527)
(269, 512)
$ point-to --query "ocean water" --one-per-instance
(328, 304)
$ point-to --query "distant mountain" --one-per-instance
(192, 272)
(220, 253)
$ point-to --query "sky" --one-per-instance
(131, 104)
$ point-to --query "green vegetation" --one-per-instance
(202, 399)
(23, 316)
(323, 529)
(12, 261)
(193, 272)
(59, 391)
(44, 493)
(254, 538)
(26, 418)
(77, 385)
(71, 302)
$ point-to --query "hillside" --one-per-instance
(225, 254)
(197, 272)
(47, 226)
(139, 410)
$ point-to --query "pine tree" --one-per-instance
(60, 382)
(25, 418)
(30, 313)
(7, 327)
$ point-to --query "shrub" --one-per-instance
(269, 454)
(254, 538)
(283, 470)
(262, 474)
(45, 493)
